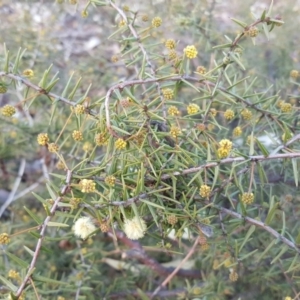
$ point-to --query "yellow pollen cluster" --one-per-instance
(87, 147)
(14, 274)
(172, 54)
(28, 73)
(8, 110)
(175, 131)
(87, 186)
(172, 219)
(205, 191)
(225, 147)
(229, 114)
(168, 94)
(122, 23)
(110, 180)
(114, 58)
(79, 109)
(156, 22)
(77, 135)
(286, 107)
(246, 114)
(192, 109)
(252, 31)
(247, 198)
(120, 144)
(170, 44)
(43, 139)
(4, 239)
(173, 111)
(75, 202)
(237, 131)
(52, 147)
(294, 74)
(3, 88)
(190, 52)
(101, 139)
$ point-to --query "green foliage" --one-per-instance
(146, 144)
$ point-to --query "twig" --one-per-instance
(44, 226)
(169, 278)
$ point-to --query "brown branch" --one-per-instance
(139, 253)
(176, 270)
(44, 226)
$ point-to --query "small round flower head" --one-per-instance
(120, 144)
(201, 126)
(211, 127)
(14, 275)
(233, 276)
(226, 60)
(126, 8)
(237, 131)
(286, 107)
(87, 186)
(4, 239)
(104, 227)
(197, 290)
(77, 135)
(170, 44)
(53, 148)
(115, 58)
(202, 240)
(246, 114)
(172, 219)
(60, 165)
(79, 109)
(192, 108)
(145, 18)
(73, 2)
(28, 73)
(156, 22)
(126, 102)
(173, 111)
(43, 139)
(288, 298)
(83, 227)
(75, 202)
(110, 180)
(205, 191)
(135, 228)
(168, 94)
(294, 74)
(229, 114)
(247, 198)
(172, 54)
(101, 139)
(87, 147)
(84, 13)
(190, 52)
(252, 31)
(225, 147)
(122, 23)
(3, 88)
(175, 131)
(8, 110)
(213, 112)
(201, 70)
